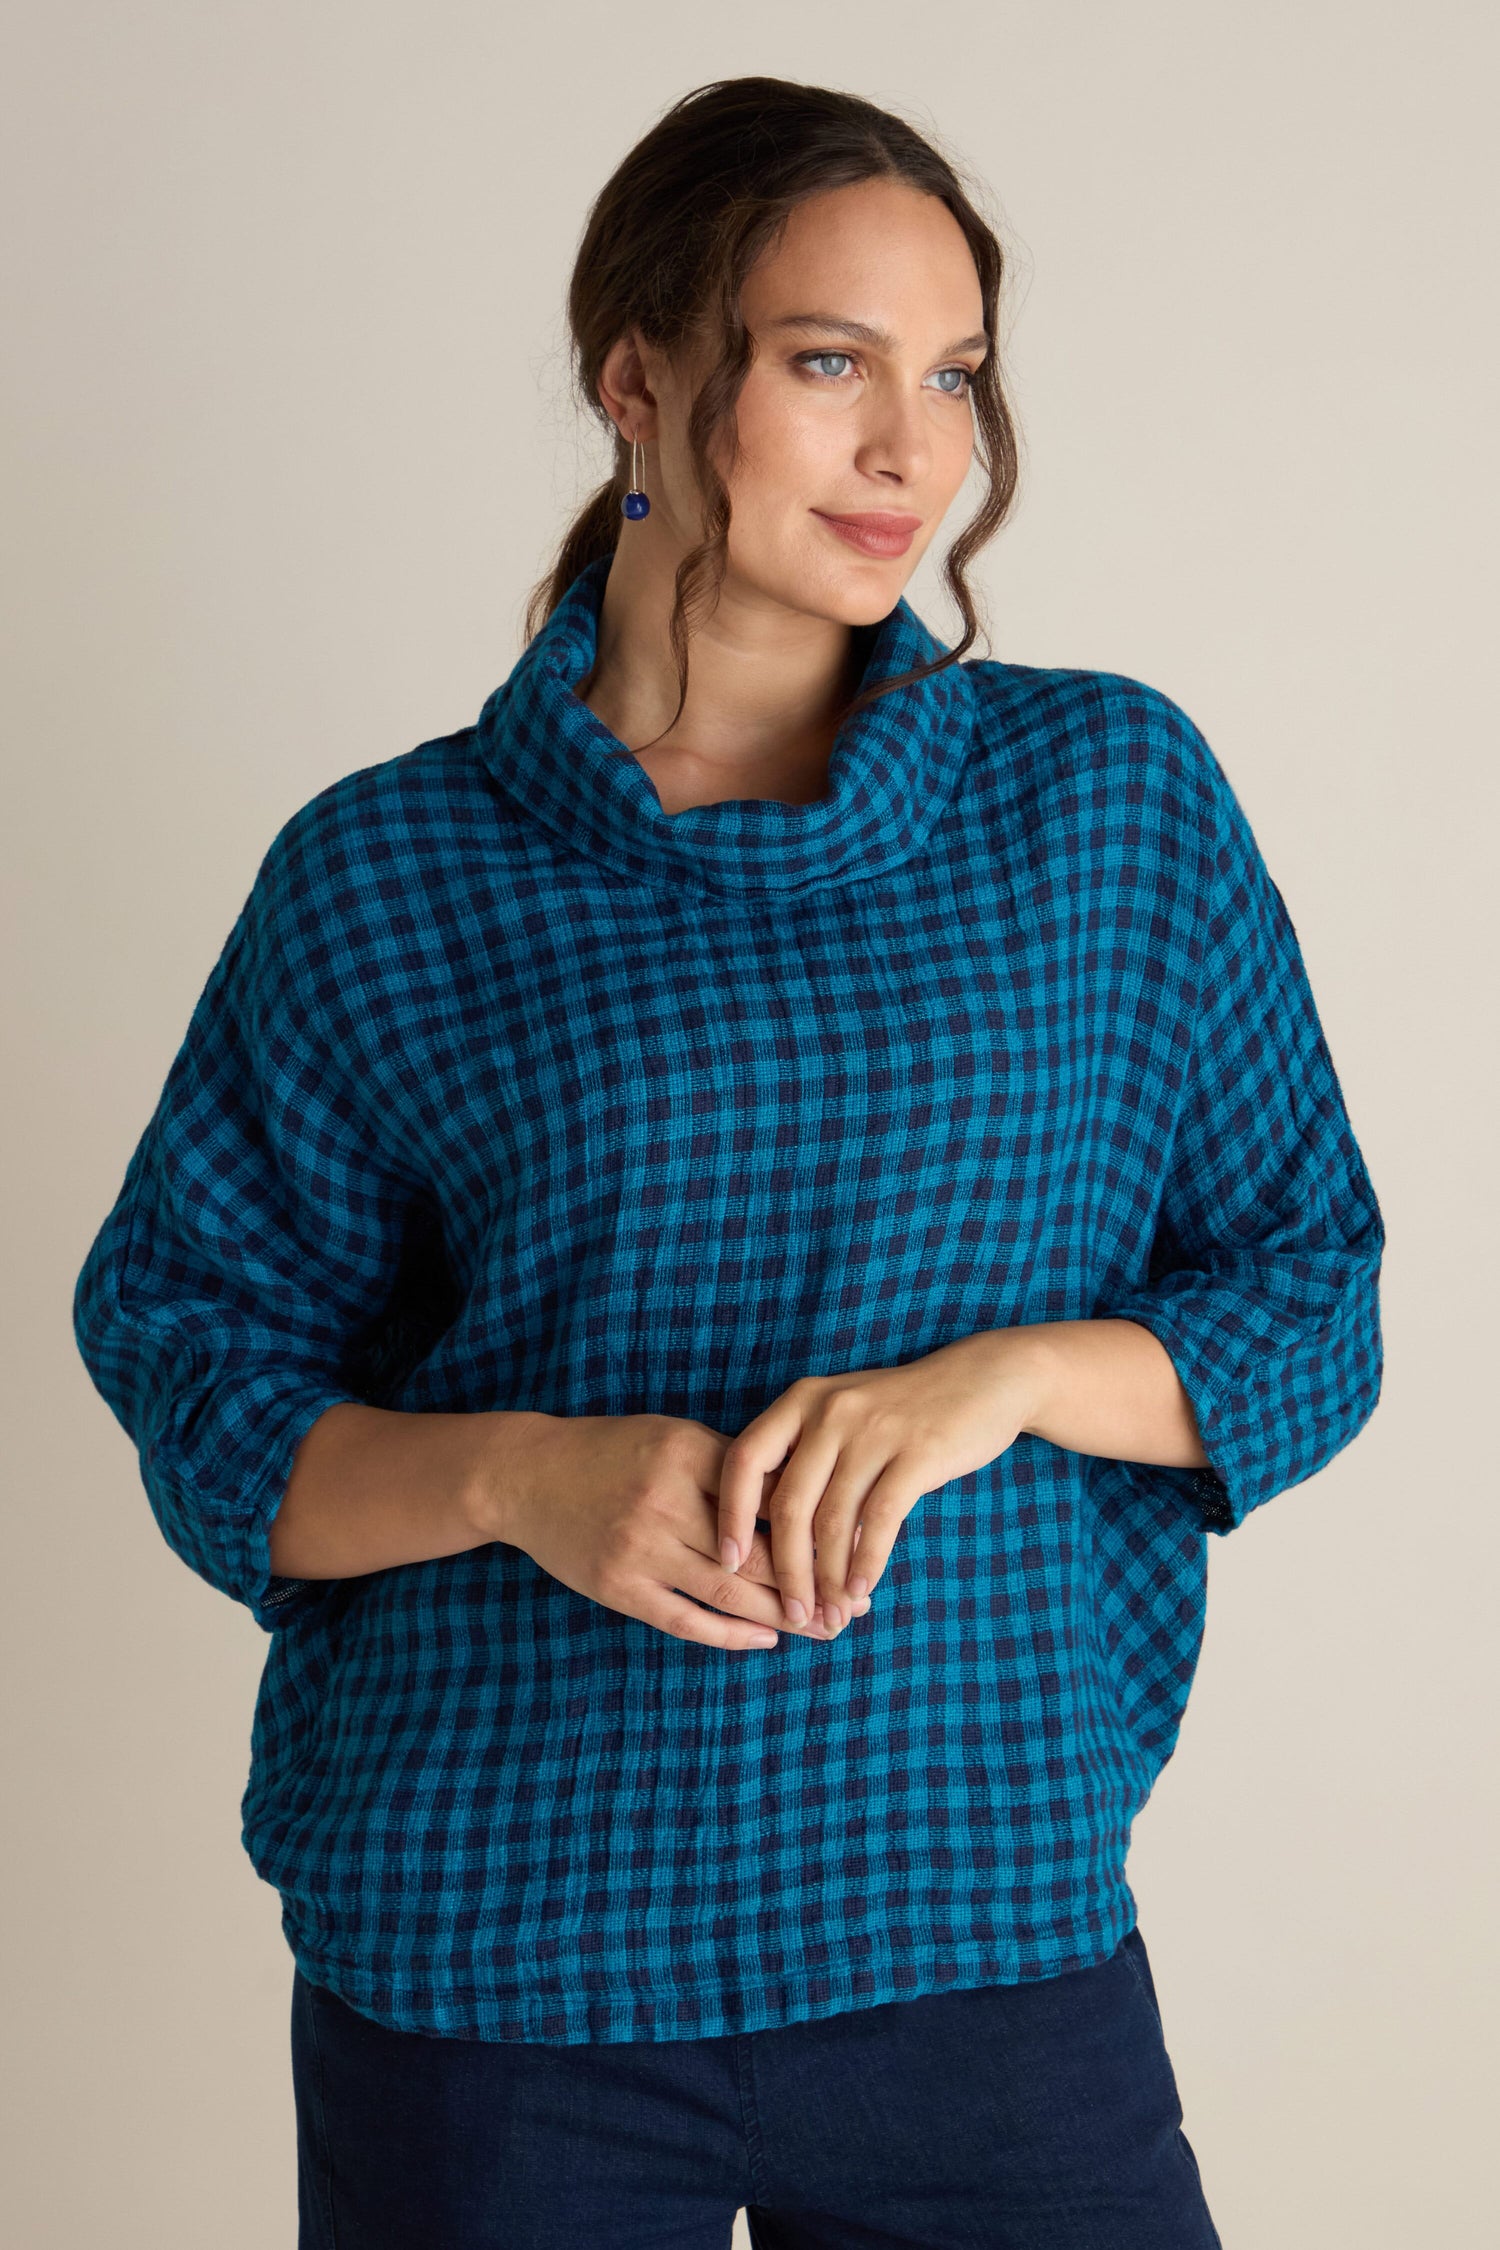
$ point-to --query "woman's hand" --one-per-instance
(623, 1508)
(856, 1452)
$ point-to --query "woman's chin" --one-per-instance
(861, 594)
(866, 605)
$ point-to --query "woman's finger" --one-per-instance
(836, 1530)
(671, 1612)
(792, 1507)
(750, 1463)
(887, 1504)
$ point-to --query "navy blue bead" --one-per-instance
(635, 505)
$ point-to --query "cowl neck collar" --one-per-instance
(892, 769)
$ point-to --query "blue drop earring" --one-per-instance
(635, 504)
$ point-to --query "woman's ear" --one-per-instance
(624, 389)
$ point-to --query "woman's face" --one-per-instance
(868, 323)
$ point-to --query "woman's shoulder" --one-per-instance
(1082, 734)
(355, 883)
(390, 816)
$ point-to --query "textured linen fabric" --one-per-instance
(510, 1090)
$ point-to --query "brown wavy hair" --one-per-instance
(666, 248)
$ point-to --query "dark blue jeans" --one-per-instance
(1038, 2116)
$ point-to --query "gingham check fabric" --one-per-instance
(509, 1090)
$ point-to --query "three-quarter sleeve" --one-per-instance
(1263, 1281)
(256, 1237)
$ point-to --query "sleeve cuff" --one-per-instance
(1225, 1488)
(225, 1533)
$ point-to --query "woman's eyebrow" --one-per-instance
(863, 333)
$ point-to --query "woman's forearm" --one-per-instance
(371, 1488)
(1108, 1386)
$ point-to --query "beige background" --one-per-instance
(288, 437)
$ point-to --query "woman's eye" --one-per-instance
(817, 362)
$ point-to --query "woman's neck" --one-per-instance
(766, 687)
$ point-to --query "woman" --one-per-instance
(715, 1248)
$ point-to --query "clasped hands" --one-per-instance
(850, 1456)
(657, 1516)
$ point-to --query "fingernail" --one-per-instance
(795, 1610)
(859, 1587)
(833, 1616)
(765, 1639)
(729, 1554)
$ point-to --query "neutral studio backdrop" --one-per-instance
(288, 437)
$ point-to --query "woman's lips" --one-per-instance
(874, 534)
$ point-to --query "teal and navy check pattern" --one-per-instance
(510, 1090)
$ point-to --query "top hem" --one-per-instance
(618, 2015)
